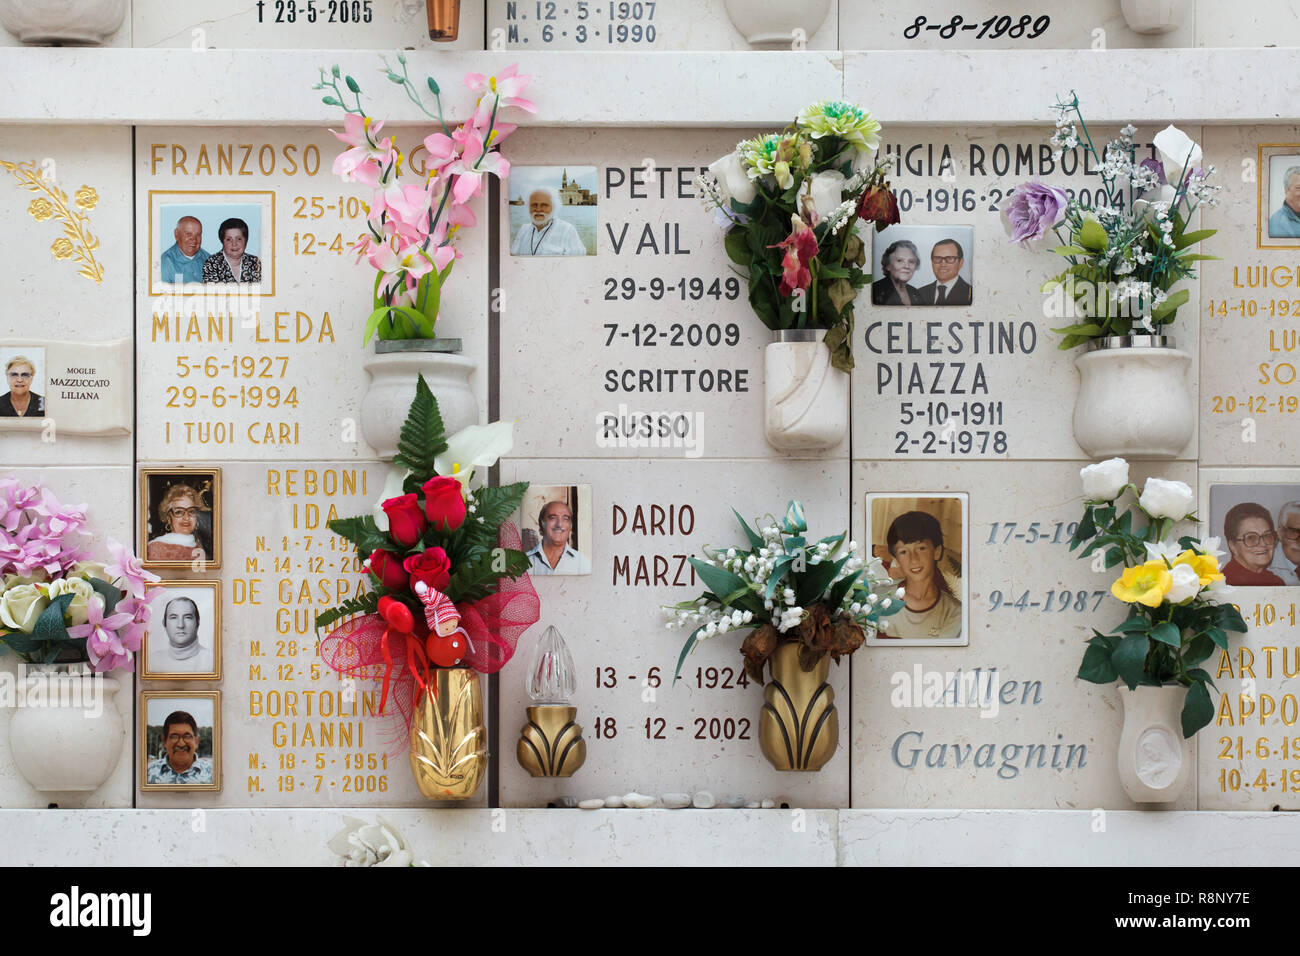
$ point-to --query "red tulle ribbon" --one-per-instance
(493, 625)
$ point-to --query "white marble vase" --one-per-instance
(392, 388)
(805, 397)
(62, 21)
(763, 23)
(67, 736)
(1134, 398)
(1154, 16)
(1155, 760)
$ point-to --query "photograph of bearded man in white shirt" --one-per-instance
(546, 233)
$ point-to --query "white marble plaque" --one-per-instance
(1013, 726)
(298, 25)
(644, 732)
(985, 380)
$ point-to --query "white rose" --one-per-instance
(81, 592)
(92, 569)
(1167, 499)
(1178, 153)
(1105, 480)
(733, 180)
(1186, 584)
(1144, 207)
(825, 190)
(21, 605)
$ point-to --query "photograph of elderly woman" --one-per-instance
(921, 540)
(1258, 526)
(24, 382)
(552, 210)
(179, 519)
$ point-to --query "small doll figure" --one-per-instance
(448, 641)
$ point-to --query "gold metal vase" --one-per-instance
(799, 727)
(449, 754)
(444, 19)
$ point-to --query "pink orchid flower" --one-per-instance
(508, 85)
(126, 566)
(103, 646)
(368, 157)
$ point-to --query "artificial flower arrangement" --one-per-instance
(783, 588)
(1125, 254)
(790, 202)
(447, 575)
(57, 607)
(412, 225)
(1172, 589)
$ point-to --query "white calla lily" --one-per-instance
(478, 446)
(392, 488)
(1179, 153)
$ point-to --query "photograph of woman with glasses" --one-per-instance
(20, 401)
(179, 528)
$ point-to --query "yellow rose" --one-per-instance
(1146, 584)
(41, 209)
(81, 591)
(86, 198)
(62, 248)
(1206, 566)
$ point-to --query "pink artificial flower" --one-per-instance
(408, 208)
(103, 646)
(126, 566)
(368, 157)
(464, 156)
(800, 246)
(506, 85)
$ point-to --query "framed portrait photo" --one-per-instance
(551, 210)
(180, 740)
(1278, 207)
(1256, 518)
(922, 540)
(180, 518)
(26, 384)
(183, 641)
(923, 265)
(222, 240)
(555, 524)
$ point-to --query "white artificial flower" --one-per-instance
(1209, 546)
(1187, 584)
(1105, 480)
(1167, 499)
(886, 603)
(823, 190)
(1220, 591)
(733, 179)
(1178, 152)
(1168, 550)
(477, 446)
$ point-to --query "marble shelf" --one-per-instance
(669, 89)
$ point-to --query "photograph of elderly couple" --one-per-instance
(210, 239)
(922, 265)
(1259, 526)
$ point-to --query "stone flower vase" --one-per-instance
(393, 371)
(798, 728)
(805, 397)
(1154, 16)
(62, 21)
(763, 23)
(1134, 398)
(449, 755)
(1155, 761)
(68, 734)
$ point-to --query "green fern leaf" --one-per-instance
(423, 435)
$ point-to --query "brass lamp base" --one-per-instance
(551, 744)
(444, 19)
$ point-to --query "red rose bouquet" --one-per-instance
(447, 574)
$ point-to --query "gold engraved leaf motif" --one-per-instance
(77, 242)
(448, 739)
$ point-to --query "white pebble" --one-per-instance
(614, 802)
(638, 801)
(769, 804)
(704, 801)
(735, 803)
(591, 804)
(676, 801)
(753, 805)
